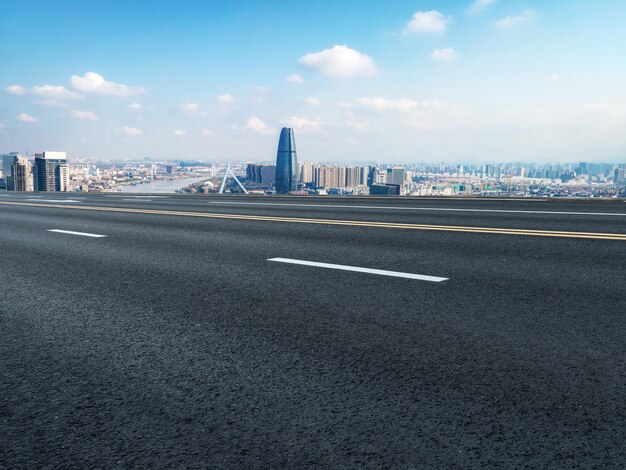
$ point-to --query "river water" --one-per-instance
(161, 186)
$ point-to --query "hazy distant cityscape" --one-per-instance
(581, 179)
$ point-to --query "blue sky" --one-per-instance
(401, 81)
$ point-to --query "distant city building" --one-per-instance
(372, 176)
(619, 177)
(253, 172)
(22, 174)
(50, 172)
(264, 175)
(329, 176)
(395, 176)
(7, 165)
(307, 173)
(385, 190)
(333, 176)
(286, 163)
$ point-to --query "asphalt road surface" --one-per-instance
(289, 332)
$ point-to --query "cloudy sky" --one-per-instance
(396, 81)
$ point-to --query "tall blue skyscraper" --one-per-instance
(286, 163)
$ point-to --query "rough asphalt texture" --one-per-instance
(174, 343)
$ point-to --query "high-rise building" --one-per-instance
(7, 164)
(51, 172)
(22, 174)
(307, 173)
(253, 172)
(353, 174)
(364, 175)
(619, 177)
(372, 176)
(263, 174)
(329, 177)
(286, 163)
(395, 176)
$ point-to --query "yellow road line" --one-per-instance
(350, 223)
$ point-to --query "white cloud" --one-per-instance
(179, 133)
(380, 113)
(225, 98)
(295, 78)
(206, 132)
(190, 107)
(433, 104)
(443, 54)
(479, 5)
(302, 123)
(54, 103)
(134, 107)
(26, 118)
(258, 126)
(133, 131)
(426, 22)
(92, 82)
(193, 109)
(382, 104)
(84, 115)
(554, 77)
(15, 90)
(358, 125)
(339, 61)
(47, 91)
(313, 101)
(55, 92)
(512, 21)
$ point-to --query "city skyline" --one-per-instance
(498, 81)
(573, 180)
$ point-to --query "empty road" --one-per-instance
(264, 332)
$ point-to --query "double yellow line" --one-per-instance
(349, 223)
